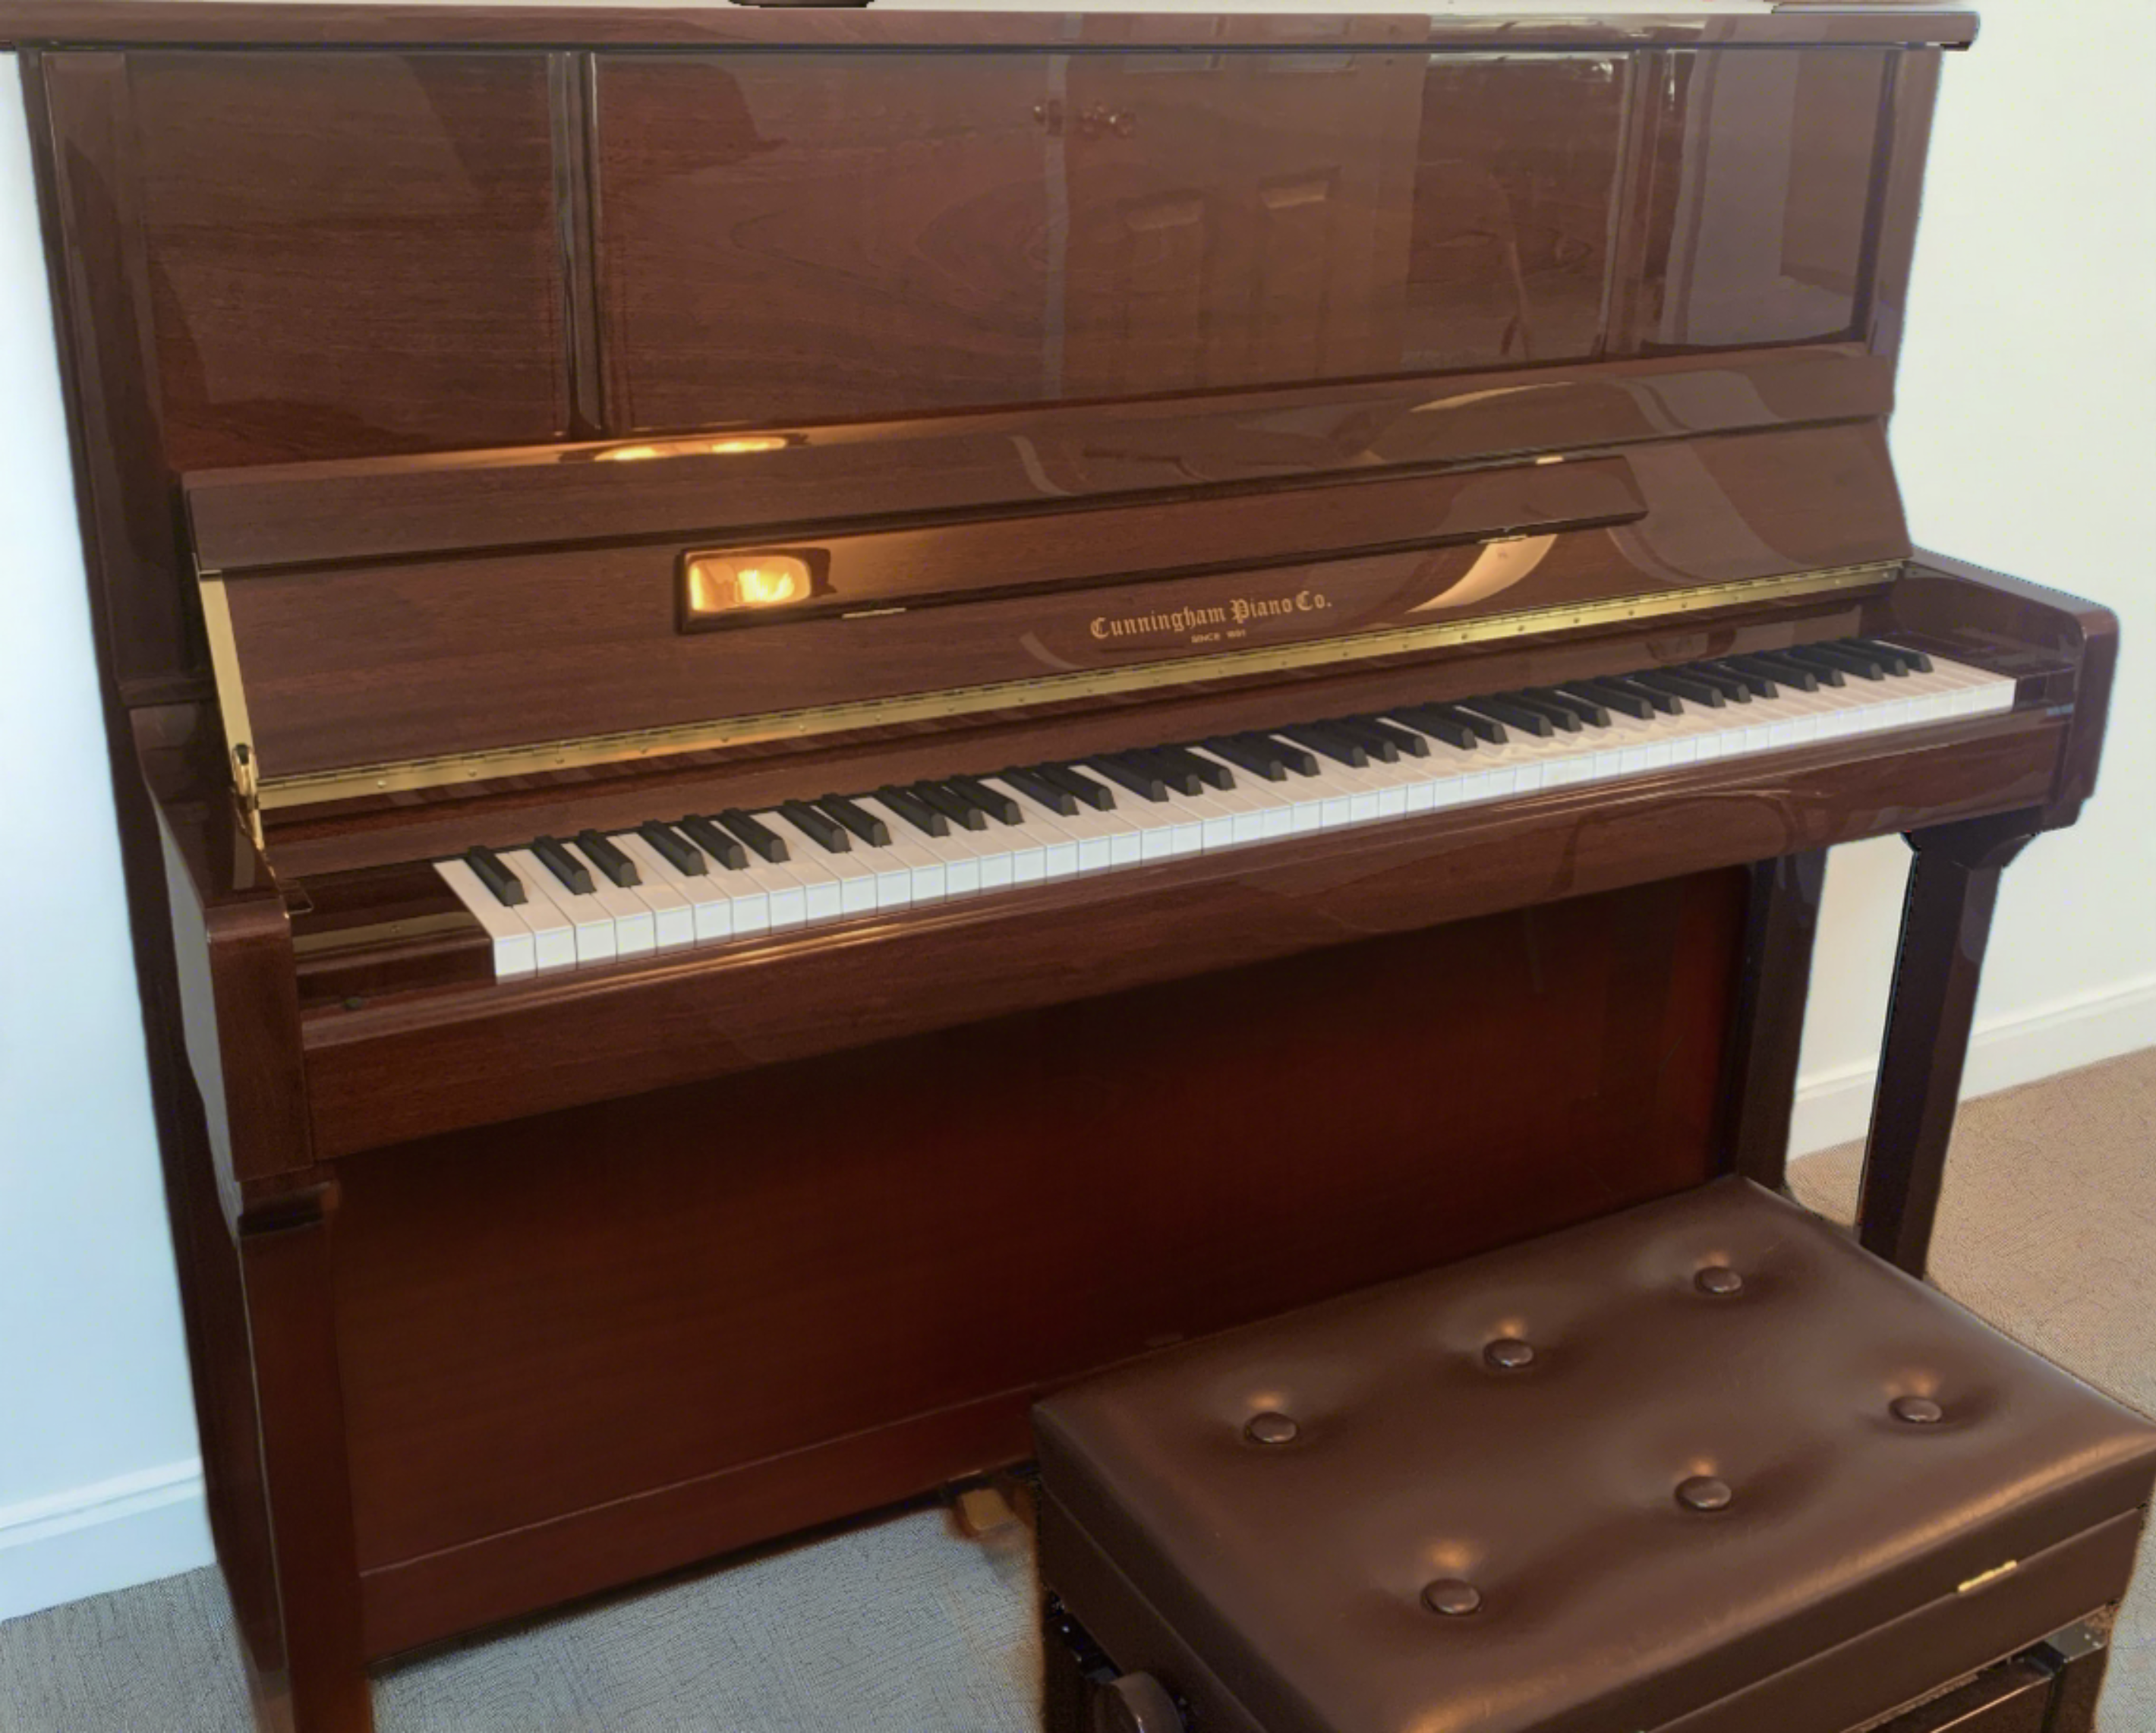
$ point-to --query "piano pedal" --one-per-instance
(995, 1506)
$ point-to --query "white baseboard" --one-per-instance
(1835, 1106)
(109, 1535)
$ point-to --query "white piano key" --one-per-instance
(1092, 833)
(1058, 846)
(675, 914)
(905, 872)
(590, 923)
(705, 892)
(954, 850)
(635, 930)
(838, 884)
(515, 951)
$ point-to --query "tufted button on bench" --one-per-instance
(1705, 1466)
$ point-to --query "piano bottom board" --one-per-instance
(580, 1349)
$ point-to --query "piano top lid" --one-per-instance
(1378, 24)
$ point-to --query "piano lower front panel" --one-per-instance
(583, 1348)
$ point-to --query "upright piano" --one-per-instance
(823, 716)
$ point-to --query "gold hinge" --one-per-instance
(232, 700)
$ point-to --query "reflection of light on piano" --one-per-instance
(719, 583)
(759, 586)
(696, 447)
(1496, 568)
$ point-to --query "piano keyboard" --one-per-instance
(667, 885)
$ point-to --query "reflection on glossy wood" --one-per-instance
(394, 286)
(1761, 213)
(362, 665)
(809, 238)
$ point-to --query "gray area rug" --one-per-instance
(2048, 1230)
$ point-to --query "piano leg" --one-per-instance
(1946, 924)
(1781, 927)
(318, 1683)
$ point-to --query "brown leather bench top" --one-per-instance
(1674, 1493)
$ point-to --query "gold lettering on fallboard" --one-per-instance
(1197, 624)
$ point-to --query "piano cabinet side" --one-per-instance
(259, 1234)
(1953, 884)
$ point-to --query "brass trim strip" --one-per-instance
(320, 786)
(231, 697)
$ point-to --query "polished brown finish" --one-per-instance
(1617, 1585)
(441, 336)
(1781, 927)
(394, 287)
(719, 486)
(361, 665)
(754, 1271)
(259, 22)
(286, 1261)
(806, 253)
(1946, 925)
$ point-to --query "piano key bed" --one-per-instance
(705, 879)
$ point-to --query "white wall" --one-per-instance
(2028, 443)
(99, 1481)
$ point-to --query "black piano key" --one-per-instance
(1001, 807)
(1300, 760)
(956, 808)
(1917, 661)
(1130, 772)
(1762, 678)
(869, 828)
(1622, 699)
(1732, 689)
(1487, 729)
(1827, 655)
(1404, 740)
(759, 840)
(1428, 719)
(683, 856)
(828, 835)
(1210, 773)
(563, 865)
(1380, 746)
(1680, 685)
(1515, 716)
(1263, 760)
(721, 845)
(1591, 714)
(1320, 739)
(915, 811)
(486, 865)
(1668, 703)
(1775, 666)
(1560, 715)
(1058, 801)
(1095, 793)
(608, 859)
(1181, 778)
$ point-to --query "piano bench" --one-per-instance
(1704, 1465)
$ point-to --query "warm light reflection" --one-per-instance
(719, 583)
(732, 446)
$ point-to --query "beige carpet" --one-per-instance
(2049, 1231)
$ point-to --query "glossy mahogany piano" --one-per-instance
(823, 716)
